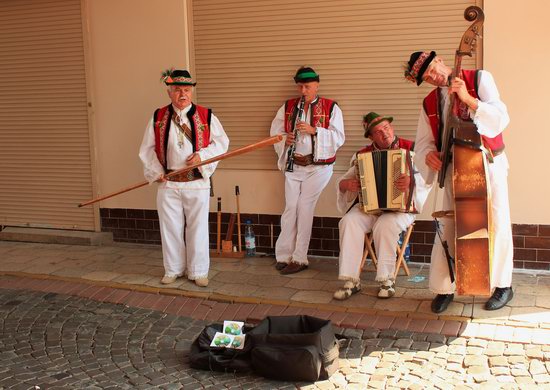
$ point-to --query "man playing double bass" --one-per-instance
(479, 102)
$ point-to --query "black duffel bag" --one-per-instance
(294, 348)
(289, 348)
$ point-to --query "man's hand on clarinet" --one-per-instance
(289, 139)
(433, 160)
(193, 159)
(304, 127)
(351, 185)
(403, 182)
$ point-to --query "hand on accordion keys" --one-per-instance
(403, 182)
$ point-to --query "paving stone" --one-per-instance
(498, 370)
(498, 361)
(479, 373)
(517, 359)
(455, 367)
(403, 343)
(353, 333)
(474, 350)
(523, 381)
(506, 379)
(457, 341)
(536, 367)
(420, 346)
(358, 378)
(514, 349)
(457, 349)
(456, 359)
(475, 360)
(541, 379)
(519, 372)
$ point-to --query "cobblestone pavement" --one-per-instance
(58, 341)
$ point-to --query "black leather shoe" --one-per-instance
(500, 297)
(280, 265)
(441, 302)
(293, 268)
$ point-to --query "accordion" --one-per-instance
(377, 171)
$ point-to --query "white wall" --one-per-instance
(133, 41)
(516, 52)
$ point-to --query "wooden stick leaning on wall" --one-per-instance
(237, 194)
(233, 153)
(219, 227)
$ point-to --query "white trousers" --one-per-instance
(183, 213)
(385, 233)
(302, 190)
(503, 255)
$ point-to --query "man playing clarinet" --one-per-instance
(313, 141)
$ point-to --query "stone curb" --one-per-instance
(199, 306)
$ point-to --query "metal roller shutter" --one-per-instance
(45, 164)
(246, 53)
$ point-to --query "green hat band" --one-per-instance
(306, 75)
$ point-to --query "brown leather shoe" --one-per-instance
(280, 265)
(293, 268)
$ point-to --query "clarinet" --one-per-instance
(292, 148)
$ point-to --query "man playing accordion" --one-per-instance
(385, 226)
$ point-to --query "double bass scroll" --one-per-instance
(467, 46)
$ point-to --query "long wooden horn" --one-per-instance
(233, 153)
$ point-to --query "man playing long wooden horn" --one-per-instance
(177, 135)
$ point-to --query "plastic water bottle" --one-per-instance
(249, 239)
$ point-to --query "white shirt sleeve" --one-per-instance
(421, 191)
(491, 116)
(330, 139)
(424, 144)
(152, 168)
(278, 127)
(218, 145)
(344, 199)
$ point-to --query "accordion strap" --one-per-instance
(412, 182)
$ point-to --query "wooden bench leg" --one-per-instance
(369, 250)
(401, 251)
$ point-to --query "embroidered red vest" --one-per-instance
(199, 118)
(402, 143)
(432, 109)
(321, 109)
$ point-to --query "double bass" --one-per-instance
(470, 180)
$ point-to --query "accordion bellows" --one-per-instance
(377, 172)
